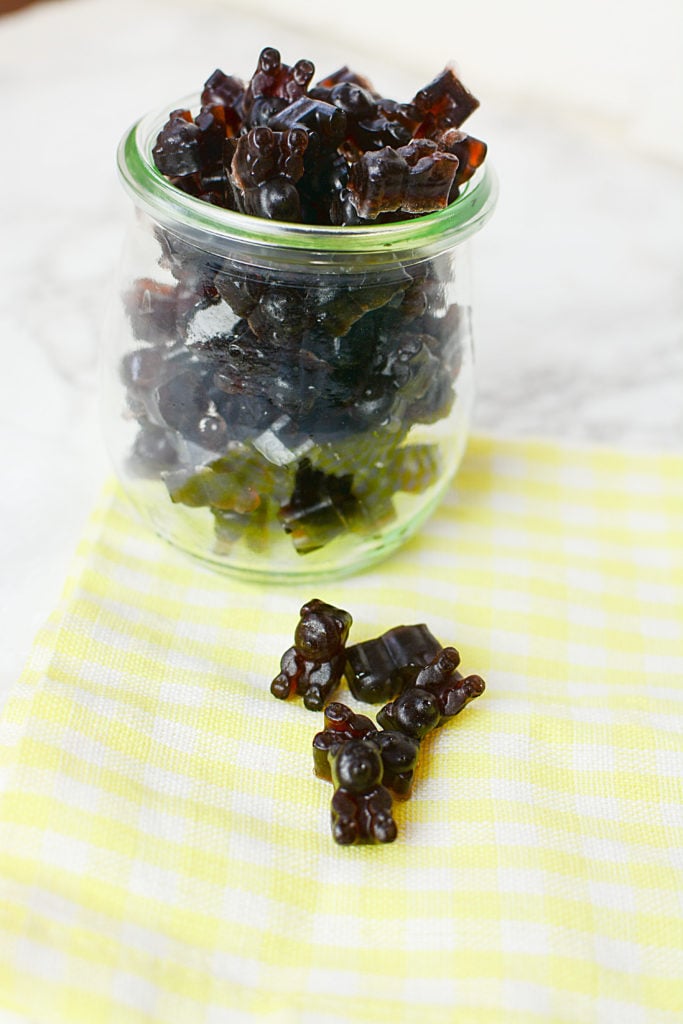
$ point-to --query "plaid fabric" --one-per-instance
(165, 849)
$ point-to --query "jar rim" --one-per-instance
(425, 235)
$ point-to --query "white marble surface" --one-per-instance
(578, 277)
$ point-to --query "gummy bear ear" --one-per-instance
(385, 716)
(310, 606)
(344, 622)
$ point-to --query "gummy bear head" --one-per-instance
(357, 766)
(269, 60)
(417, 712)
(317, 638)
(322, 631)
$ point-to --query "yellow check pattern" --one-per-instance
(165, 853)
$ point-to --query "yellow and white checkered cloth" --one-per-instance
(165, 850)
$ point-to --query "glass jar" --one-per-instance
(286, 401)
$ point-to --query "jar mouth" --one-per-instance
(423, 236)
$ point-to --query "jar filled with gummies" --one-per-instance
(288, 400)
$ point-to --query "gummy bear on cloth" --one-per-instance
(165, 847)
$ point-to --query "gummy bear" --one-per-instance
(183, 405)
(263, 154)
(343, 74)
(376, 670)
(153, 451)
(237, 482)
(151, 308)
(437, 694)
(221, 90)
(274, 85)
(337, 308)
(313, 667)
(443, 103)
(399, 742)
(361, 805)
(176, 152)
(345, 120)
(341, 724)
(321, 507)
(281, 315)
(449, 692)
(413, 178)
(251, 527)
(241, 293)
(327, 121)
(265, 166)
(470, 152)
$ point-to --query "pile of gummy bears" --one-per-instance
(336, 153)
(408, 668)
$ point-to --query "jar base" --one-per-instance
(347, 560)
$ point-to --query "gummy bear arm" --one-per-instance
(338, 664)
(288, 677)
(453, 697)
(378, 799)
(442, 668)
(401, 784)
(474, 685)
(451, 702)
(289, 662)
(320, 673)
(323, 745)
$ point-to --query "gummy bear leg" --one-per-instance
(344, 831)
(384, 827)
(344, 819)
(281, 686)
(314, 698)
(381, 824)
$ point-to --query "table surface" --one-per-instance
(577, 277)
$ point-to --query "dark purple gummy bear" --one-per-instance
(153, 451)
(265, 166)
(361, 805)
(274, 85)
(470, 152)
(443, 103)
(221, 90)
(377, 670)
(325, 119)
(177, 150)
(438, 694)
(151, 308)
(341, 724)
(313, 667)
(322, 506)
(416, 178)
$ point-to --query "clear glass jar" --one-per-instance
(286, 401)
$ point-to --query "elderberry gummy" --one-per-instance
(379, 669)
(297, 386)
(358, 755)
